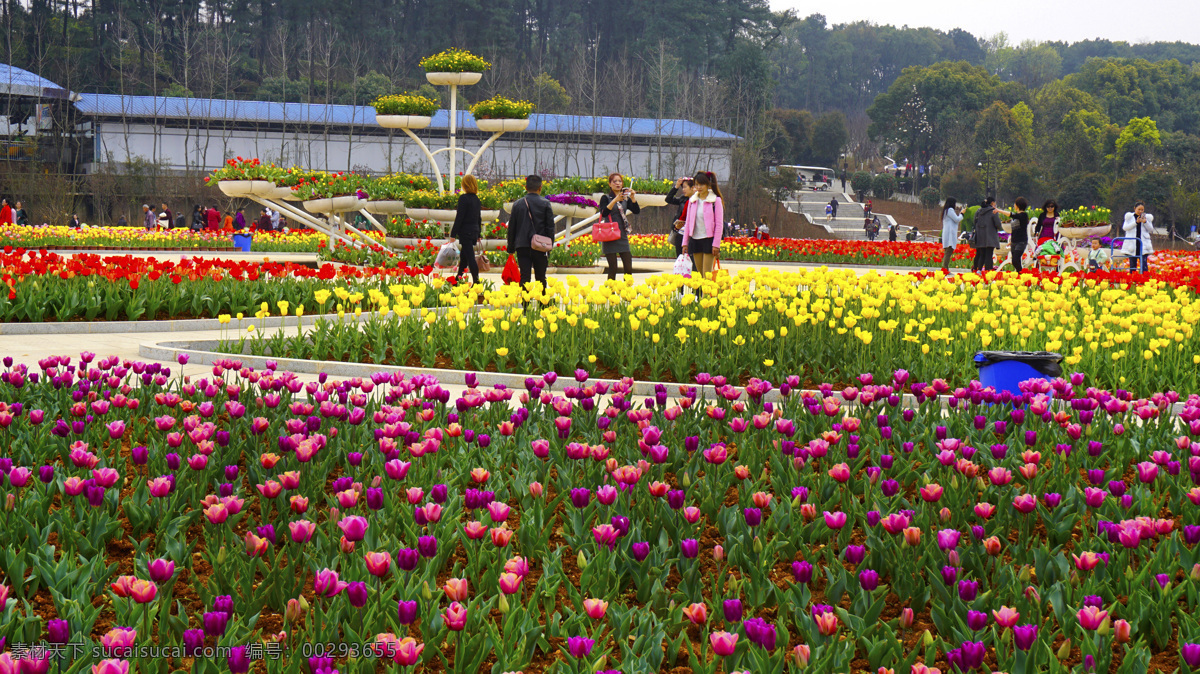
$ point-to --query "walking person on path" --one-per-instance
(951, 217)
(148, 217)
(468, 226)
(834, 202)
(1019, 240)
(702, 231)
(531, 215)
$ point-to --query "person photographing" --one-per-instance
(615, 206)
(1138, 227)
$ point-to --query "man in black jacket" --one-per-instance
(531, 215)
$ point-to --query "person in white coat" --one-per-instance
(951, 216)
(1138, 225)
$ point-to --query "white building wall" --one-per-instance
(204, 149)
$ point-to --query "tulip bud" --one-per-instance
(802, 653)
(927, 638)
(221, 555)
(758, 546)
(293, 612)
(303, 604)
(952, 558)
(797, 501)
(581, 561)
(686, 481)
(945, 514)
(1064, 651)
(1105, 627)
(719, 553)
(1122, 629)
(426, 594)
(1196, 571)
(10, 501)
(1024, 574)
(503, 604)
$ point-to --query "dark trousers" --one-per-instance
(530, 260)
(466, 260)
(983, 259)
(948, 253)
(1018, 250)
(626, 262)
(1145, 262)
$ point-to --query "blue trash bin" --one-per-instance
(1005, 370)
(242, 241)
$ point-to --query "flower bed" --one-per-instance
(136, 238)
(815, 251)
(820, 323)
(44, 286)
(395, 522)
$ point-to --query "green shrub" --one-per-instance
(883, 186)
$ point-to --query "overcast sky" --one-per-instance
(1041, 20)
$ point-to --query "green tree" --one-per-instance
(925, 106)
(860, 182)
(966, 185)
(883, 186)
(829, 138)
(1139, 142)
(1082, 189)
(548, 95)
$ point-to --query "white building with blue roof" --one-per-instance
(198, 134)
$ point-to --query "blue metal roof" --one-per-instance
(159, 107)
(20, 82)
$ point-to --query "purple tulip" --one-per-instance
(215, 622)
(46, 474)
(580, 497)
(640, 550)
(690, 547)
(675, 499)
(427, 546)
(1094, 601)
(868, 579)
(949, 575)
(193, 641)
(1191, 654)
(140, 455)
(732, 609)
(973, 653)
(977, 620)
(440, 493)
(968, 590)
(1191, 534)
(873, 517)
(407, 612)
(356, 594)
(580, 647)
(1024, 636)
(889, 487)
(238, 661)
(407, 558)
(802, 572)
(58, 632)
(753, 516)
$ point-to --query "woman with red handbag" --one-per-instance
(702, 227)
(613, 207)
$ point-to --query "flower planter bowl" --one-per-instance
(487, 216)
(278, 193)
(572, 211)
(652, 200)
(495, 125)
(435, 214)
(335, 205)
(245, 188)
(508, 206)
(385, 207)
(1083, 232)
(442, 79)
(403, 121)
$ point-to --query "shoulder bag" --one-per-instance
(606, 230)
(540, 243)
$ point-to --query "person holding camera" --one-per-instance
(614, 206)
(951, 217)
(987, 235)
(1138, 225)
(684, 186)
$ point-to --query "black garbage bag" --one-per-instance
(1045, 362)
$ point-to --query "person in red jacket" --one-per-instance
(213, 216)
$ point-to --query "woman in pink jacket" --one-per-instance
(703, 224)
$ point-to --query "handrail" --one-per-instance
(305, 218)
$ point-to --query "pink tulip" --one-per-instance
(327, 584)
(1006, 617)
(606, 535)
(302, 530)
(840, 472)
(697, 613)
(510, 583)
(256, 546)
(723, 643)
(378, 563)
(408, 652)
(985, 510)
(1025, 503)
(499, 512)
(432, 512)
(110, 666)
(835, 520)
(1090, 617)
(999, 476)
(894, 523)
(353, 527)
(160, 487)
(1086, 561)
(595, 608)
(197, 462)
(457, 589)
(475, 530)
(271, 489)
(931, 493)
(143, 591)
(119, 640)
(217, 513)
(518, 565)
(827, 624)
(691, 514)
(456, 615)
